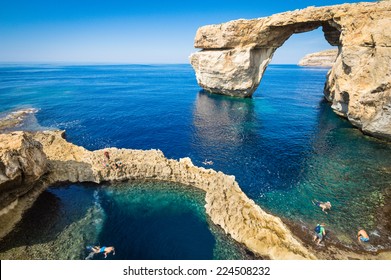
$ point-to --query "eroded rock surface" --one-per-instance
(319, 59)
(22, 163)
(235, 54)
(226, 204)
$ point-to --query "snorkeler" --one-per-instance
(97, 250)
(324, 205)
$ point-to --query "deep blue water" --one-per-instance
(285, 145)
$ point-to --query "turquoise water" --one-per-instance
(144, 220)
(285, 145)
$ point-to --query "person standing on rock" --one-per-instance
(320, 232)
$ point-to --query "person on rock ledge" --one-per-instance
(320, 233)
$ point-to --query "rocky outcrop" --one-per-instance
(22, 163)
(16, 118)
(319, 59)
(226, 204)
(235, 54)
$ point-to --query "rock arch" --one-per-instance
(235, 55)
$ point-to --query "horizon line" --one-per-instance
(108, 63)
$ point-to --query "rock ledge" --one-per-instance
(48, 158)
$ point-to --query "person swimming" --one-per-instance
(324, 205)
(97, 250)
(362, 236)
(207, 162)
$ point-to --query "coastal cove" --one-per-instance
(285, 146)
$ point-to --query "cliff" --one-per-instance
(319, 59)
(22, 162)
(49, 154)
(235, 55)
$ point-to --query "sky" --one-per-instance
(119, 31)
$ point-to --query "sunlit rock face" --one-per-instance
(235, 55)
(22, 162)
(319, 59)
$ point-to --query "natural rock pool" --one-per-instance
(144, 220)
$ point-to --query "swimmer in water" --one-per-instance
(324, 205)
(97, 250)
(362, 236)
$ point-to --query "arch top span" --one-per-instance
(234, 56)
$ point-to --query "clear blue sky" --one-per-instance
(117, 31)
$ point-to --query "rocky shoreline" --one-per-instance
(227, 206)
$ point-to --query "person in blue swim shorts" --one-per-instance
(362, 236)
(97, 250)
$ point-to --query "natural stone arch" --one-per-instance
(235, 55)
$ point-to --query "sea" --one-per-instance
(285, 146)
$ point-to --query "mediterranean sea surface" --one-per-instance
(285, 147)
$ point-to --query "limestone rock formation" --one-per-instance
(235, 54)
(22, 162)
(319, 59)
(226, 204)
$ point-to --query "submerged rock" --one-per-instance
(235, 55)
(319, 59)
(15, 118)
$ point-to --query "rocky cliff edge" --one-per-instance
(47, 157)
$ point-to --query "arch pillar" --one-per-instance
(233, 72)
(235, 55)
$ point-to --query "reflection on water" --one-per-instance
(232, 133)
(221, 121)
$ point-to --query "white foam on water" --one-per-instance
(375, 233)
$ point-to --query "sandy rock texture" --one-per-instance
(22, 163)
(235, 54)
(319, 59)
(49, 155)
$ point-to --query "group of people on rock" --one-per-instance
(320, 231)
(111, 164)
